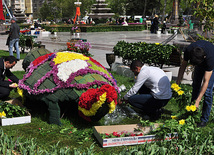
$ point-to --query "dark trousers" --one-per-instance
(4, 92)
(146, 102)
(208, 95)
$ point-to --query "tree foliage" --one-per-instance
(204, 10)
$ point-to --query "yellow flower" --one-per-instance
(174, 117)
(188, 108)
(157, 43)
(112, 106)
(180, 92)
(182, 122)
(2, 114)
(68, 56)
(175, 87)
(193, 108)
(20, 92)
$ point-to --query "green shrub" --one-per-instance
(101, 28)
(150, 53)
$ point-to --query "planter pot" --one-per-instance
(110, 58)
(168, 74)
(131, 140)
(15, 120)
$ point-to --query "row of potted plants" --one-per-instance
(151, 53)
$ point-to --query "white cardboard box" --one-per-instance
(132, 140)
(15, 120)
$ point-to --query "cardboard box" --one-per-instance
(15, 120)
(132, 140)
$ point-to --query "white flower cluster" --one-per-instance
(66, 68)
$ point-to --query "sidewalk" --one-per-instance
(102, 43)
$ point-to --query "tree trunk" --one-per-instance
(164, 10)
(144, 10)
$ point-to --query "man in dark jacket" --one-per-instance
(6, 86)
(14, 37)
(201, 55)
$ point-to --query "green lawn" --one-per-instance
(6, 53)
(76, 135)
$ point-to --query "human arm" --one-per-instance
(141, 78)
(11, 76)
(205, 83)
(181, 71)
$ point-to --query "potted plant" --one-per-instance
(13, 114)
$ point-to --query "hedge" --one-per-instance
(97, 28)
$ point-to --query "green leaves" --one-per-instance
(152, 54)
(12, 110)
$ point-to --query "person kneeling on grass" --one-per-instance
(151, 91)
(6, 86)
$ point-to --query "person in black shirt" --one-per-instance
(201, 55)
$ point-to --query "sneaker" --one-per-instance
(201, 124)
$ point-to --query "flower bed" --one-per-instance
(133, 138)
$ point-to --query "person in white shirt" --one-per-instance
(151, 91)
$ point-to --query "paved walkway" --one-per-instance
(102, 43)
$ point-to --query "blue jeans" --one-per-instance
(208, 97)
(146, 102)
(11, 45)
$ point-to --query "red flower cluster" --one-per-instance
(120, 134)
(41, 58)
(71, 47)
(92, 95)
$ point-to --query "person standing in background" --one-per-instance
(14, 38)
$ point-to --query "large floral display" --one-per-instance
(69, 76)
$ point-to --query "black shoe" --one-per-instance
(201, 124)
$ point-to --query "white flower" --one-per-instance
(66, 68)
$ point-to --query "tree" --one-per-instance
(45, 11)
(205, 13)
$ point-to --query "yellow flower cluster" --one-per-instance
(182, 122)
(2, 114)
(157, 43)
(177, 89)
(94, 107)
(112, 106)
(68, 56)
(191, 108)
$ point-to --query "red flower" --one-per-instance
(141, 134)
(114, 133)
(41, 58)
(106, 134)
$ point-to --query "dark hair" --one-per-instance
(136, 63)
(197, 56)
(11, 59)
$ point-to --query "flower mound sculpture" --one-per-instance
(69, 76)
